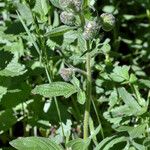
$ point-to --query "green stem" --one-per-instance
(56, 103)
(88, 100)
(81, 16)
(98, 118)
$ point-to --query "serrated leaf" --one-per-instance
(70, 37)
(13, 69)
(113, 99)
(59, 31)
(120, 74)
(115, 120)
(3, 91)
(55, 89)
(41, 7)
(34, 143)
(25, 12)
(82, 44)
(121, 111)
(136, 132)
(129, 100)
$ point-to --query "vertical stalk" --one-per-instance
(56, 103)
(88, 94)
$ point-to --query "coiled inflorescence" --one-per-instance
(90, 30)
(67, 18)
(107, 21)
(72, 4)
(66, 73)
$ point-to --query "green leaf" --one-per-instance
(108, 9)
(134, 132)
(82, 44)
(78, 144)
(13, 69)
(103, 143)
(70, 37)
(29, 33)
(56, 19)
(93, 131)
(138, 131)
(88, 3)
(146, 142)
(114, 141)
(133, 78)
(81, 97)
(138, 146)
(145, 82)
(121, 111)
(129, 100)
(3, 91)
(127, 146)
(66, 127)
(7, 119)
(25, 13)
(55, 3)
(55, 89)
(34, 143)
(59, 31)
(113, 99)
(120, 74)
(106, 48)
(41, 7)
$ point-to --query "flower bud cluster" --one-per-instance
(107, 21)
(66, 73)
(90, 30)
(70, 8)
(67, 18)
(77, 5)
(72, 4)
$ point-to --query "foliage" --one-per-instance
(68, 83)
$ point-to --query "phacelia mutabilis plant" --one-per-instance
(77, 36)
(90, 28)
(73, 18)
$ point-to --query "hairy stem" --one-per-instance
(88, 100)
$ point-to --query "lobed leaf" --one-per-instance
(129, 100)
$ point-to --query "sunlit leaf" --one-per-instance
(55, 89)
